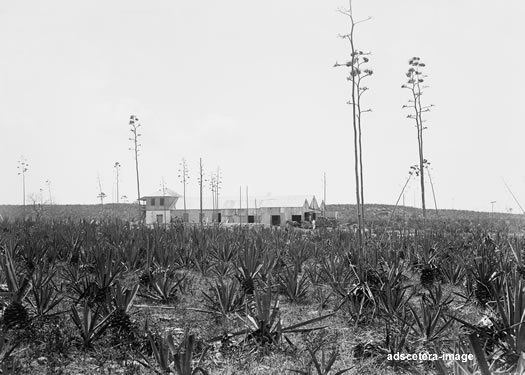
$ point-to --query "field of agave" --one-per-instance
(109, 297)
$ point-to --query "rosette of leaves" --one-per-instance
(429, 324)
(123, 301)
(223, 299)
(173, 359)
(360, 296)
(292, 285)
(321, 359)
(91, 324)
(163, 288)
(484, 273)
(248, 270)
(15, 314)
(44, 292)
(263, 323)
(427, 264)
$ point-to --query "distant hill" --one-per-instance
(347, 212)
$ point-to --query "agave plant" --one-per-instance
(174, 359)
(6, 348)
(292, 285)
(484, 273)
(336, 272)
(123, 301)
(360, 297)
(436, 299)
(183, 357)
(321, 364)
(45, 294)
(264, 325)
(91, 325)
(453, 272)
(163, 288)
(430, 324)
(396, 337)
(223, 256)
(15, 315)
(223, 299)
(248, 270)
(392, 296)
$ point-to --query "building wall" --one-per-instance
(151, 216)
(169, 202)
(193, 215)
(261, 215)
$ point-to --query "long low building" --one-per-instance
(160, 208)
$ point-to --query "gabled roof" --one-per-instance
(162, 193)
(314, 205)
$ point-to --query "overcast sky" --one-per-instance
(250, 87)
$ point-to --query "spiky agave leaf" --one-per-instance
(89, 325)
(183, 357)
(224, 298)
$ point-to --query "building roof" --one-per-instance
(193, 203)
(162, 193)
(314, 205)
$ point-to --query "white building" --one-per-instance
(159, 206)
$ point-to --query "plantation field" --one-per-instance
(345, 213)
(123, 211)
(108, 297)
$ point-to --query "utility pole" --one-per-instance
(247, 212)
(492, 207)
(117, 168)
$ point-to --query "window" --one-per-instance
(296, 218)
(276, 220)
(251, 219)
(161, 203)
(152, 202)
(160, 219)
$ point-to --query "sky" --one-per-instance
(251, 87)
